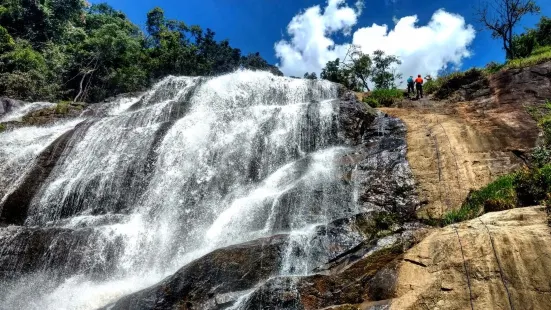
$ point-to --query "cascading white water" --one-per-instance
(19, 147)
(18, 113)
(193, 165)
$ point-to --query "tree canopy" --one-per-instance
(501, 17)
(68, 49)
(358, 69)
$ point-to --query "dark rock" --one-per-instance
(16, 204)
(354, 118)
(55, 251)
(368, 276)
(352, 257)
(531, 85)
(207, 283)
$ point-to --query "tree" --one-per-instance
(383, 73)
(310, 76)
(543, 31)
(501, 17)
(359, 65)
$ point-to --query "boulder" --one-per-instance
(213, 281)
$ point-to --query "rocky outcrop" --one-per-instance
(498, 261)
(526, 86)
(214, 281)
(365, 275)
(352, 259)
(452, 149)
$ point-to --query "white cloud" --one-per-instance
(423, 49)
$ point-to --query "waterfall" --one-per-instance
(193, 165)
(19, 112)
(19, 147)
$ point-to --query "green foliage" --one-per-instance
(65, 49)
(386, 97)
(541, 156)
(2, 127)
(533, 186)
(545, 125)
(444, 86)
(431, 86)
(527, 187)
(358, 68)
(496, 196)
(383, 75)
(539, 55)
(526, 43)
(370, 101)
(62, 107)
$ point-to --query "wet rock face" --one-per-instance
(13, 210)
(27, 250)
(353, 259)
(368, 274)
(213, 281)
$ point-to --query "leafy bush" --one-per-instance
(533, 186)
(431, 86)
(545, 125)
(496, 196)
(386, 97)
(524, 188)
(541, 156)
(446, 85)
(2, 127)
(62, 108)
(372, 102)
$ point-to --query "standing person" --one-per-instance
(410, 85)
(419, 86)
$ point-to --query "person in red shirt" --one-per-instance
(419, 86)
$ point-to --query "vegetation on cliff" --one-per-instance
(67, 49)
(527, 187)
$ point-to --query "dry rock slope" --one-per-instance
(506, 256)
(452, 149)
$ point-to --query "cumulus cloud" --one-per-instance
(423, 49)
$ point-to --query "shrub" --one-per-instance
(2, 127)
(62, 107)
(431, 86)
(446, 85)
(493, 67)
(541, 156)
(372, 102)
(533, 186)
(545, 125)
(496, 196)
(386, 97)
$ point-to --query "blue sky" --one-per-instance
(256, 25)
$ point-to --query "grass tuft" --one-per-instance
(384, 97)
(538, 56)
(496, 196)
